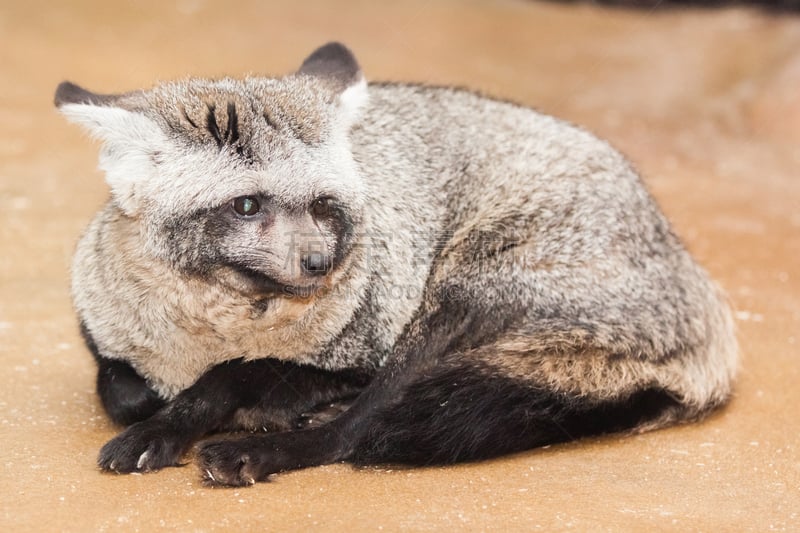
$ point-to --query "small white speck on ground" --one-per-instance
(746, 316)
(20, 203)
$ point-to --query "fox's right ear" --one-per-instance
(337, 66)
(130, 139)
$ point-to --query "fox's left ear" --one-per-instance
(112, 118)
(336, 65)
(129, 137)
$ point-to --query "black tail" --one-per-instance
(469, 413)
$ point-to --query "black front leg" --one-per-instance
(428, 338)
(125, 395)
(265, 388)
(248, 460)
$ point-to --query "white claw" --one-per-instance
(142, 459)
(210, 475)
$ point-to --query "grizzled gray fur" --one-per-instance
(429, 238)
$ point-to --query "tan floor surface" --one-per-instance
(707, 104)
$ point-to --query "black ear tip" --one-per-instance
(69, 93)
(333, 49)
(332, 60)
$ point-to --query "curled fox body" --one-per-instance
(471, 277)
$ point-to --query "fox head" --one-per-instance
(249, 178)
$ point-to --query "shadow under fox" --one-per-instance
(474, 277)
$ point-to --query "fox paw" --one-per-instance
(249, 460)
(143, 447)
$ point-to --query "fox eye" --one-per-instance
(246, 206)
(321, 207)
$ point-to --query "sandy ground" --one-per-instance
(707, 105)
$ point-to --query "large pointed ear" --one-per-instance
(130, 139)
(337, 67)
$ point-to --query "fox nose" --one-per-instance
(316, 264)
